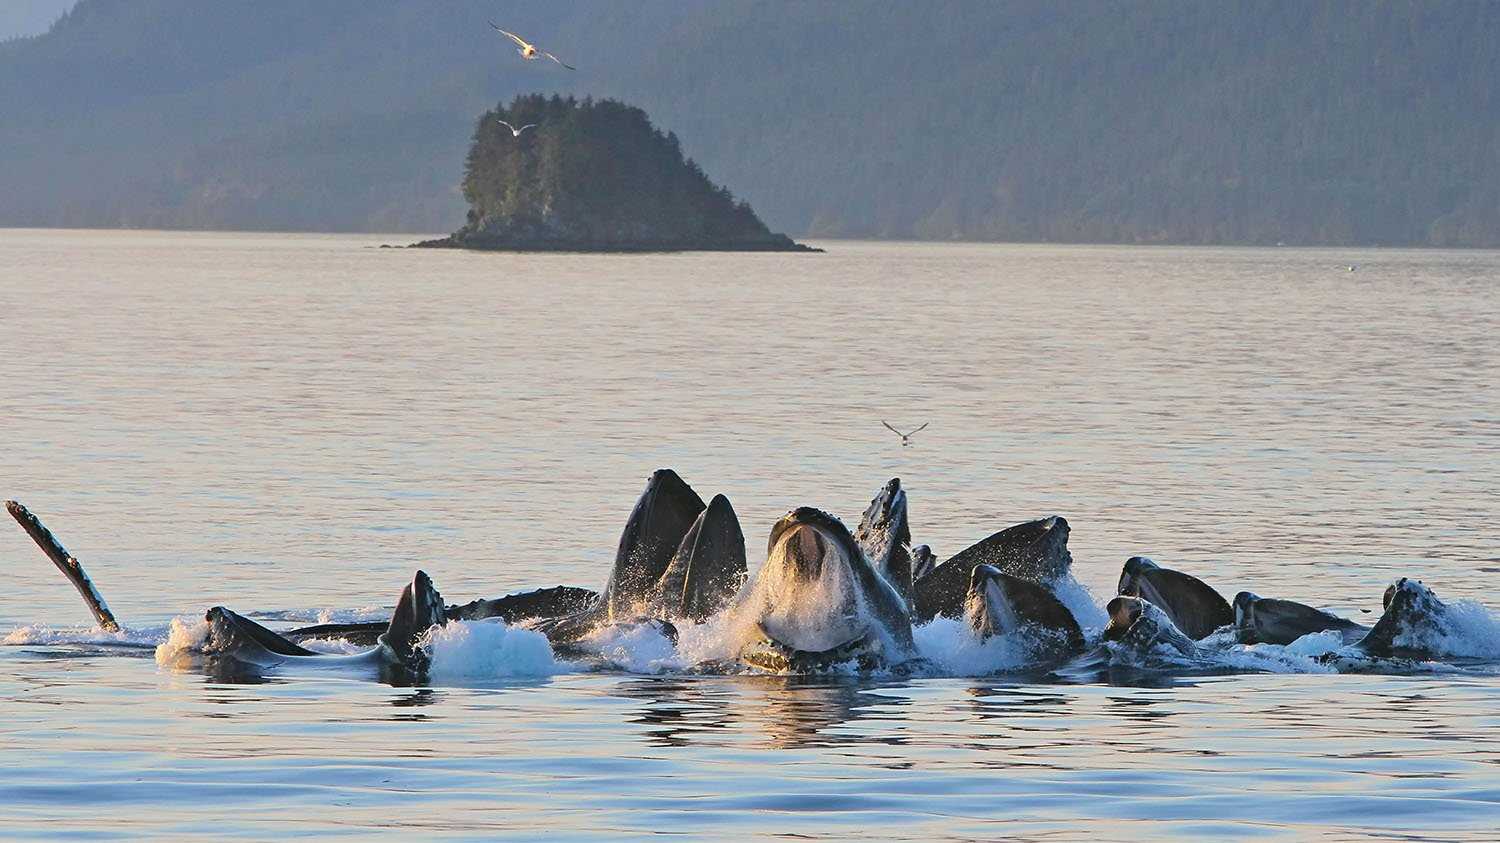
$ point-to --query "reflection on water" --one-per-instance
(779, 711)
(292, 424)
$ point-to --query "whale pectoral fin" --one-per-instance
(66, 563)
(708, 567)
(234, 635)
(419, 609)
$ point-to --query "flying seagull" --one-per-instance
(529, 51)
(905, 437)
(514, 132)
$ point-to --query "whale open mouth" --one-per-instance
(809, 611)
(1244, 617)
(767, 653)
(1124, 614)
(1130, 575)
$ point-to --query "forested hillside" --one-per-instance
(1162, 121)
(563, 174)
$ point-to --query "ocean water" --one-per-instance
(291, 424)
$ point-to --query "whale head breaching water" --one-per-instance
(817, 602)
(663, 514)
(923, 560)
(1265, 620)
(1000, 604)
(1036, 551)
(677, 560)
(1144, 628)
(884, 536)
(396, 656)
(707, 569)
(1193, 606)
(1413, 622)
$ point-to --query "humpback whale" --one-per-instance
(884, 536)
(1145, 628)
(516, 608)
(707, 569)
(1265, 620)
(676, 560)
(818, 602)
(1036, 551)
(1194, 608)
(247, 643)
(1413, 618)
(396, 657)
(662, 516)
(512, 608)
(1000, 604)
(923, 560)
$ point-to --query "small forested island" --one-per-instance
(595, 176)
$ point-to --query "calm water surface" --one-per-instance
(281, 422)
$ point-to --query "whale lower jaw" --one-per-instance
(766, 653)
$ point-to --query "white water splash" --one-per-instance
(956, 650)
(43, 635)
(717, 639)
(482, 650)
(1300, 656)
(468, 651)
(186, 639)
(634, 648)
(325, 615)
(334, 646)
(806, 614)
(1466, 629)
(1076, 596)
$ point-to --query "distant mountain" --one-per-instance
(1241, 121)
(564, 174)
(21, 18)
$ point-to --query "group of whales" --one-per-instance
(825, 598)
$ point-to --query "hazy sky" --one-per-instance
(30, 17)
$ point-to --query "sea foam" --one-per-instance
(468, 651)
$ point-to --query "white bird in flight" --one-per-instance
(514, 132)
(905, 437)
(529, 51)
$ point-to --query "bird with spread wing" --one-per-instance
(514, 132)
(529, 51)
(905, 437)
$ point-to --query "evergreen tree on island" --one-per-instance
(595, 176)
